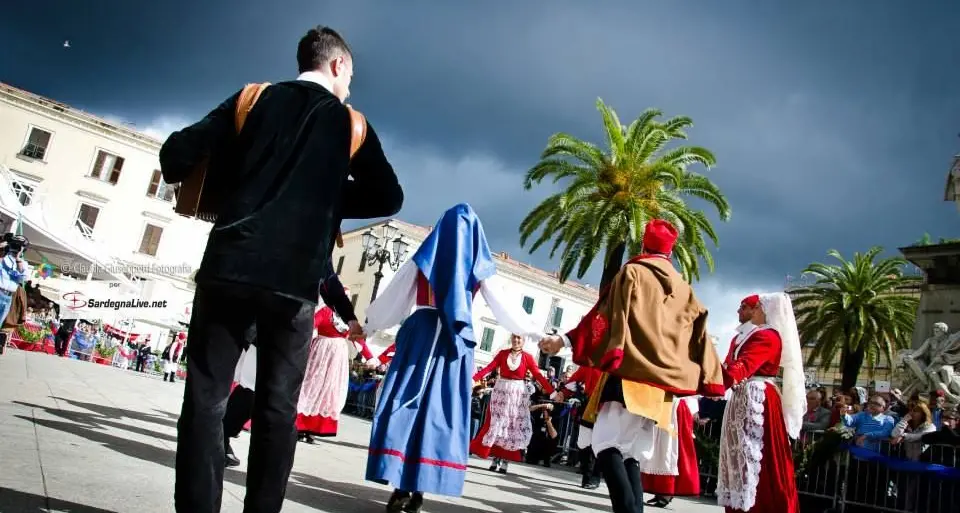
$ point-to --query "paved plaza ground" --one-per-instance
(84, 438)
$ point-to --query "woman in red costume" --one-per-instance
(756, 472)
(324, 391)
(673, 471)
(507, 429)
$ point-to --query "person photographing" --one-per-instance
(13, 272)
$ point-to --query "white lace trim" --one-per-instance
(741, 446)
(514, 360)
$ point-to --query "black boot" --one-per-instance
(231, 459)
(589, 480)
(415, 503)
(397, 501)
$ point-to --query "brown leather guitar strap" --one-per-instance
(358, 123)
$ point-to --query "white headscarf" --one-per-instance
(779, 312)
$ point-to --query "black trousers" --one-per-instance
(223, 317)
(239, 411)
(588, 463)
(623, 481)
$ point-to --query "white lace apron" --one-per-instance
(741, 445)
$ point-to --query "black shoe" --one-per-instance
(308, 438)
(231, 459)
(659, 501)
(590, 483)
(397, 501)
(414, 504)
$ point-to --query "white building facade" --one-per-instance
(96, 186)
(553, 306)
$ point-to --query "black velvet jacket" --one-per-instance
(284, 183)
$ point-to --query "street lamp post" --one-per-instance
(389, 248)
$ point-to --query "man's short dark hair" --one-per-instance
(320, 46)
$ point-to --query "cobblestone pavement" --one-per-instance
(85, 438)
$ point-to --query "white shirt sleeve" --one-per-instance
(396, 302)
(522, 324)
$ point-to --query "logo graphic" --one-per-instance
(74, 300)
(45, 270)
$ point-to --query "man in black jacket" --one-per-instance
(283, 184)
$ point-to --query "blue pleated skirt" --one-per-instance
(421, 427)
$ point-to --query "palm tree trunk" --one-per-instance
(613, 263)
(850, 367)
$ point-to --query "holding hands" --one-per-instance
(356, 331)
(551, 344)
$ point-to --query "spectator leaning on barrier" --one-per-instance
(816, 418)
(911, 429)
(871, 425)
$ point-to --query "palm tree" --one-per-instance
(857, 309)
(611, 194)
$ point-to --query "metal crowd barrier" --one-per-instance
(361, 398)
(840, 482)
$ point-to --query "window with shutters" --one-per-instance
(38, 140)
(107, 167)
(363, 263)
(528, 304)
(486, 341)
(159, 189)
(151, 240)
(353, 299)
(340, 264)
(557, 317)
(87, 219)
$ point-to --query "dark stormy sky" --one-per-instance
(833, 123)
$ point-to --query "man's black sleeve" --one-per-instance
(186, 149)
(331, 290)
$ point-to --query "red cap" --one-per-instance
(751, 301)
(181, 335)
(659, 236)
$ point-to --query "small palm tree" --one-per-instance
(857, 309)
(611, 193)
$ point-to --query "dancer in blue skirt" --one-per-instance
(421, 428)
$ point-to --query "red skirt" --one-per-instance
(687, 482)
(316, 425)
(482, 451)
(777, 489)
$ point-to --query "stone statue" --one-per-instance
(932, 365)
